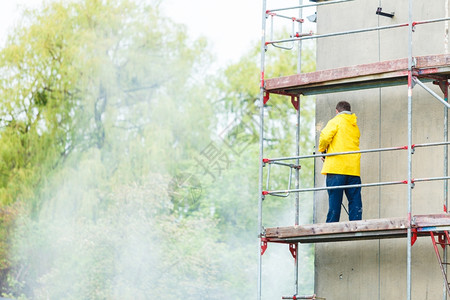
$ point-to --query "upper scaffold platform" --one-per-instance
(366, 76)
(354, 230)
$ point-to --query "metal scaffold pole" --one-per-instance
(297, 195)
(445, 90)
(410, 184)
(297, 141)
(261, 148)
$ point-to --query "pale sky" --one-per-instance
(9, 11)
(232, 26)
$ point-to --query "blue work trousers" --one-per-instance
(335, 197)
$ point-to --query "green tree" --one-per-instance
(86, 74)
(96, 95)
(135, 249)
(105, 119)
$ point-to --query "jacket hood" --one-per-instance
(349, 117)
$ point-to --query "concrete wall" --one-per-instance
(376, 269)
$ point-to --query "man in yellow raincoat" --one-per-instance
(341, 134)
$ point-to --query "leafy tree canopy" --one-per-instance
(124, 172)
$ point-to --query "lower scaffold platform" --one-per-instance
(421, 225)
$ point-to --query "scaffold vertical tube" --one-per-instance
(444, 288)
(261, 147)
(445, 90)
(446, 149)
(297, 143)
(297, 186)
(410, 87)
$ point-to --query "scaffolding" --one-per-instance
(409, 71)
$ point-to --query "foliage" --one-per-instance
(88, 88)
(125, 173)
(84, 74)
(135, 249)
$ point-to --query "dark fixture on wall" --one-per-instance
(385, 14)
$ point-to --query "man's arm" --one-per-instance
(327, 134)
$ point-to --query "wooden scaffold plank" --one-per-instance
(351, 230)
(378, 74)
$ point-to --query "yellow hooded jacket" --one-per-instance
(341, 135)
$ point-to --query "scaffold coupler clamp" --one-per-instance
(413, 236)
(263, 244)
(413, 148)
(297, 167)
(266, 96)
(262, 234)
(414, 78)
(293, 249)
